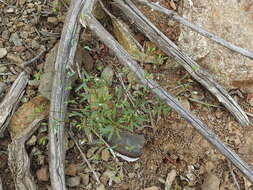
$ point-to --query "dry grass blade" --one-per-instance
(88, 20)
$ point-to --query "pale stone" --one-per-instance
(231, 20)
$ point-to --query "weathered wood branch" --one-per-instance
(11, 100)
(60, 92)
(19, 161)
(1, 184)
(173, 15)
(89, 20)
(166, 45)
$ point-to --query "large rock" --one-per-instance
(231, 20)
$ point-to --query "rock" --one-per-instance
(173, 5)
(84, 58)
(98, 12)
(131, 78)
(31, 141)
(3, 87)
(231, 20)
(85, 178)
(185, 103)
(152, 188)
(105, 155)
(10, 10)
(15, 39)
(6, 34)
(52, 20)
(3, 52)
(108, 74)
(127, 144)
(35, 44)
(42, 174)
(170, 178)
(124, 36)
(71, 170)
(3, 69)
(13, 58)
(27, 113)
(101, 187)
(24, 34)
(35, 83)
(73, 181)
(46, 80)
(211, 182)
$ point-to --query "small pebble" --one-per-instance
(73, 181)
(42, 174)
(3, 52)
(3, 87)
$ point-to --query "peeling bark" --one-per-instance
(60, 92)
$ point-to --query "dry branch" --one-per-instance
(88, 20)
(166, 45)
(19, 161)
(59, 96)
(11, 100)
(173, 15)
(1, 185)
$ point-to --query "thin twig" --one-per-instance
(176, 17)
(130, 97)
(84, 156)
(34, 59)
(204, 103)
(233, 176)
(106, 144)
(249, 114)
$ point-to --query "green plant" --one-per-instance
(43, 140)
(37, 75)
(108, 111)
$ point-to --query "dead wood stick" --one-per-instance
(166, 45)
(19, 161)
(59, 96)
(173, 15)
(11, 100)
(1, 184)
(35, 58)
(90, 21)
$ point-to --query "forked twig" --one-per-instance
(173, 15)
(88, 20)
